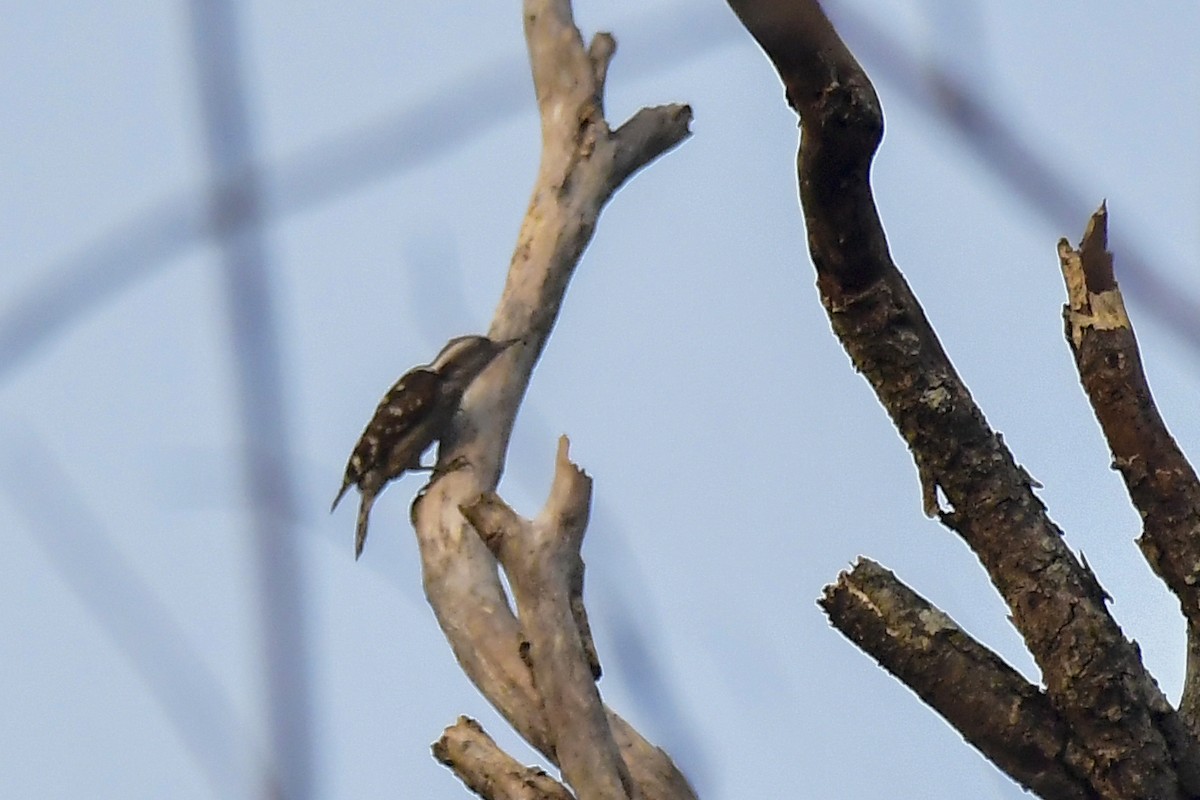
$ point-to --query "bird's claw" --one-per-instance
(455, 464)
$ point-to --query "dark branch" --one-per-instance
(1162, 483)
(1004, 716)
(1093, 675)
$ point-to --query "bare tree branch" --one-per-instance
(545, 569)
(490, 772)
(583, 163)
(1189, 702)
(1007, 718)
(1125, 737)
(1162, 483)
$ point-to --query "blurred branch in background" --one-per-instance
(127, 610)
(442, 124)
(235, 221)
(1028, 171)
(470, 108)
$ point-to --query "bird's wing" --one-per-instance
(407, 404)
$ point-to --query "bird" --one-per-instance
(414, 413)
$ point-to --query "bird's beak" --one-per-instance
(507, 343)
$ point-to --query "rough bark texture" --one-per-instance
(583, 163)
(490, 772)
(1162, 484)
(1007, 718)
(1125, 739)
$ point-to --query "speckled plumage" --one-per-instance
(413, 414)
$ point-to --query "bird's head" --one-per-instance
(464, 357)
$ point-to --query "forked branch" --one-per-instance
(583, 162)
(1125, 739)
(542, 560)
(1004, 716)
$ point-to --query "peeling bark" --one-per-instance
(1162, 483)
(1125, 740)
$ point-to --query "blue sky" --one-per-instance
(739, 462)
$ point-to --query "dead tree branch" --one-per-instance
(1007, 718)
(583, 163)
(1126, 740)
(545, 569)
(490, 772)
(1161, 482)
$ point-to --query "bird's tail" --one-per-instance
(364, 511)
(340, 494)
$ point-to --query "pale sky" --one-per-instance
(739, 462)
